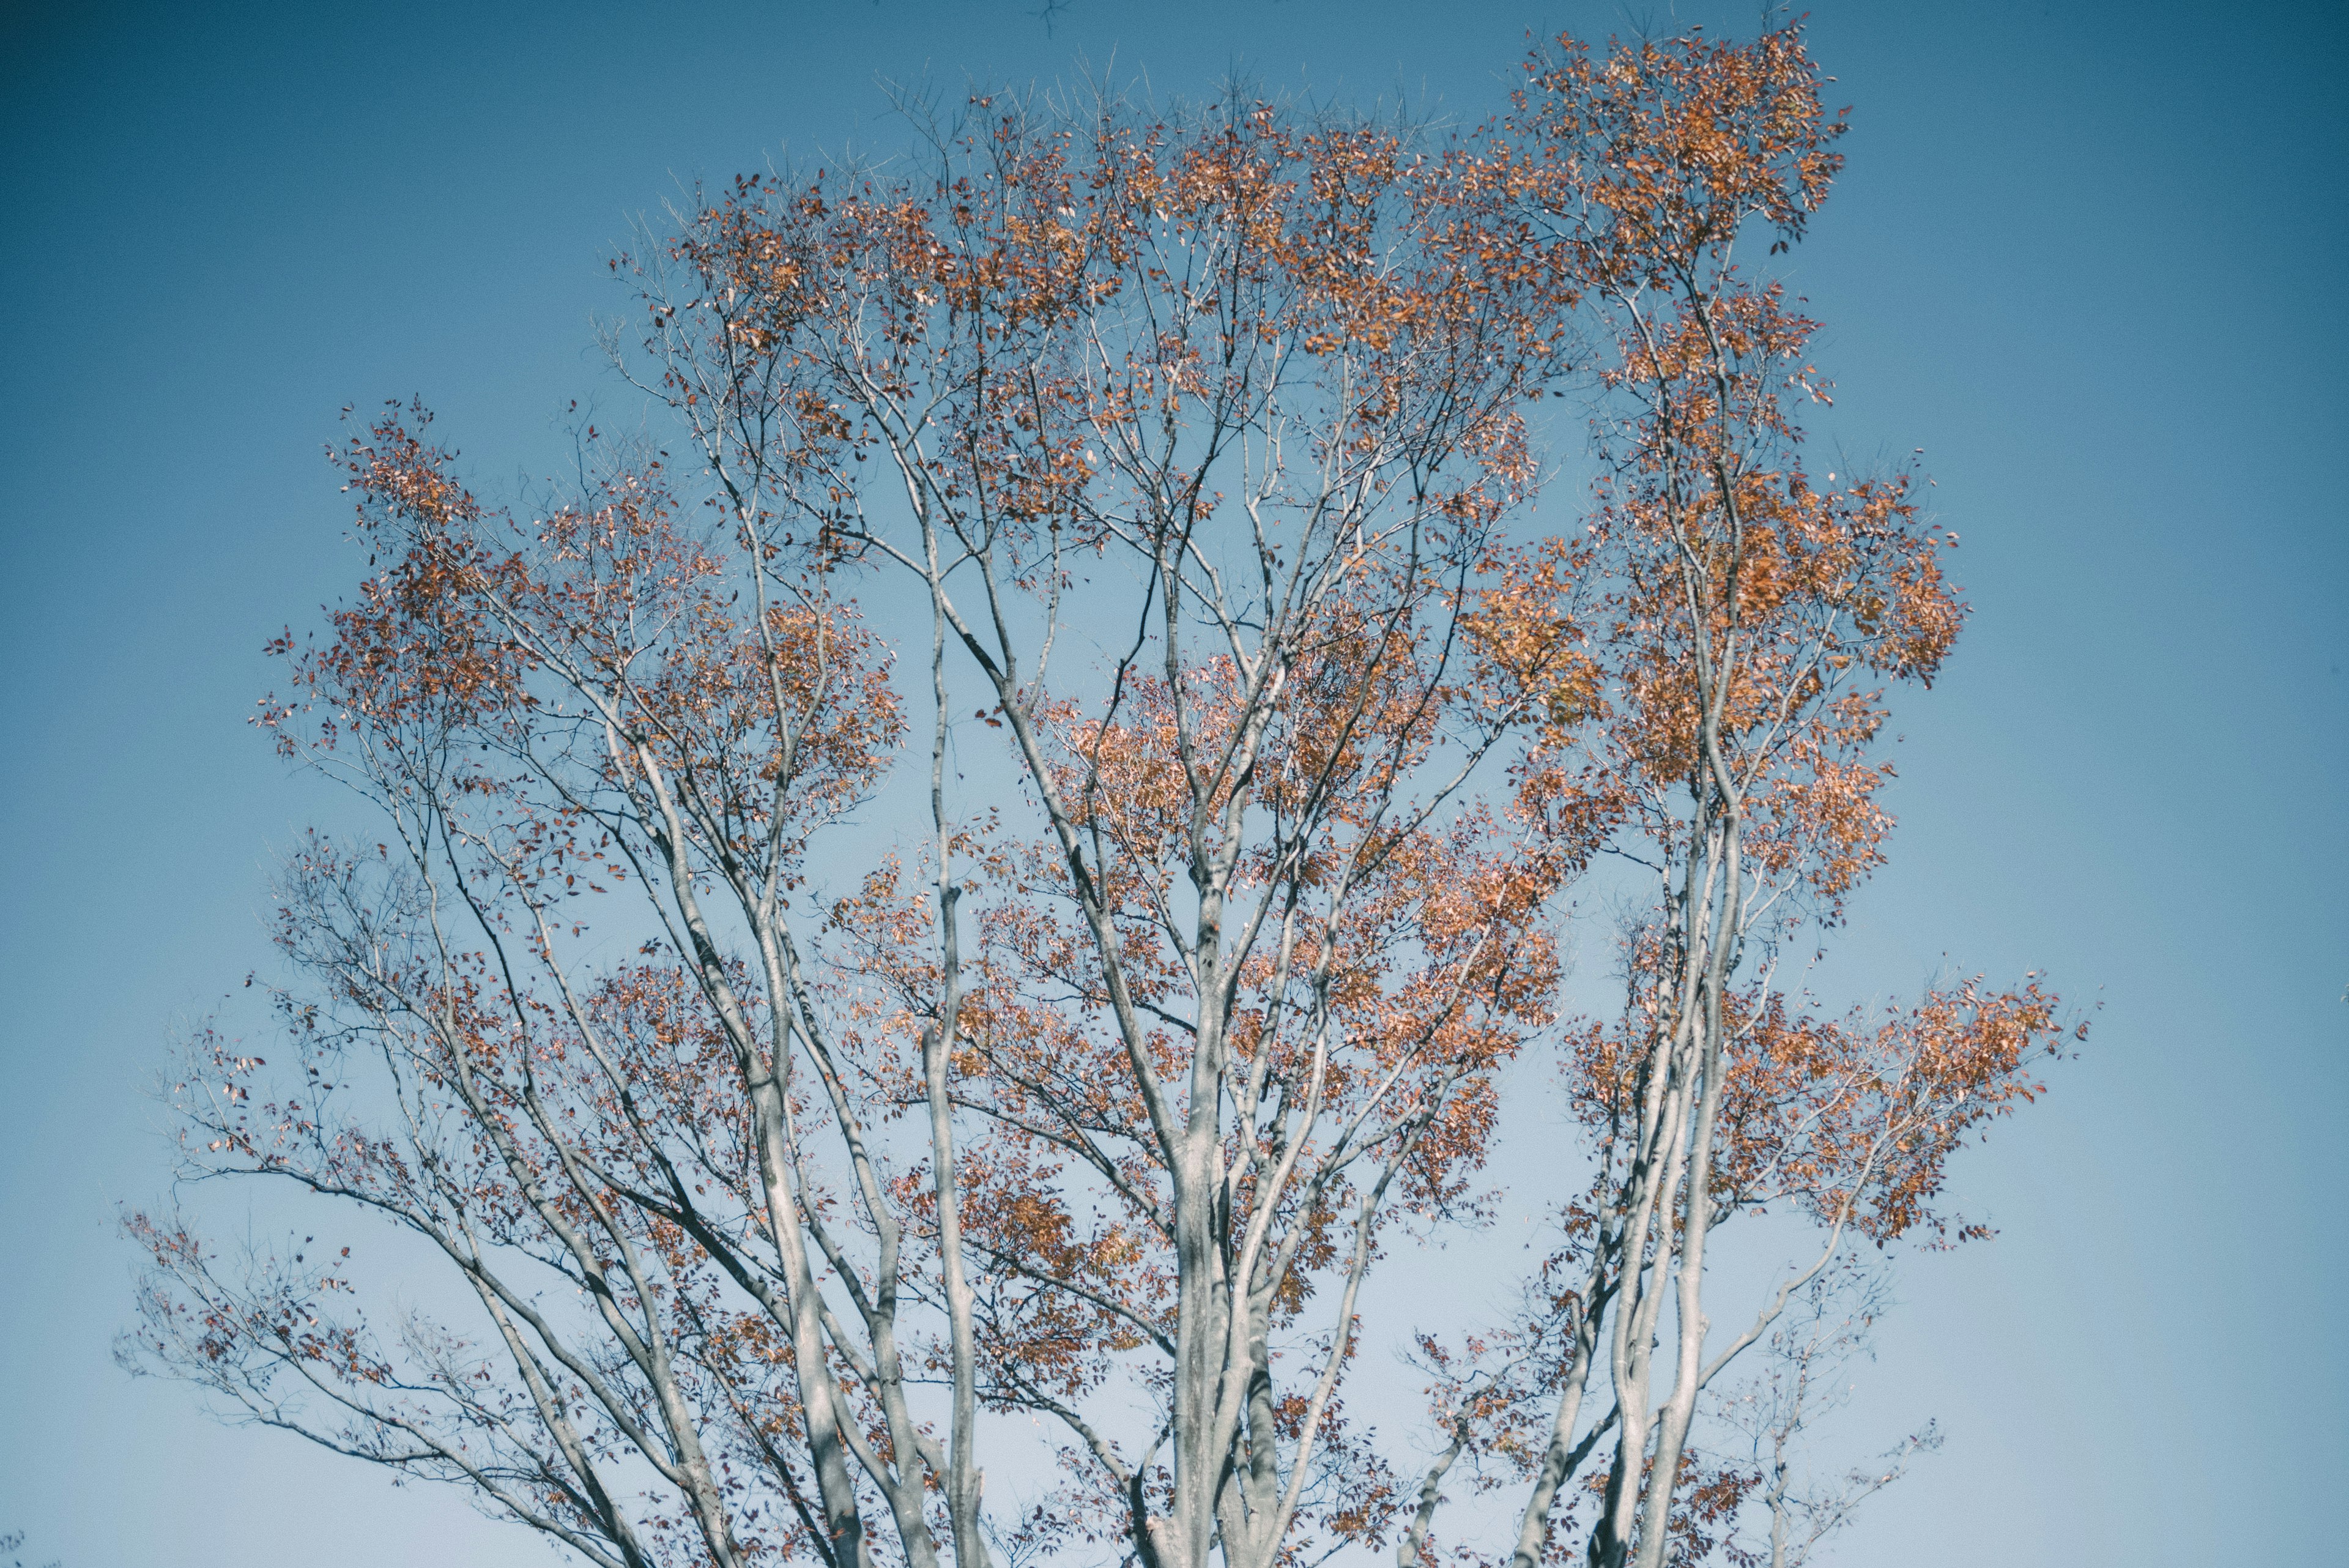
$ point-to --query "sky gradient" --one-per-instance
(2089, 257)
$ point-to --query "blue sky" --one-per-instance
(2089, 256)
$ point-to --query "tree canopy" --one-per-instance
(807, 1097)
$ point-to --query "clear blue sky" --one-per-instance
(2090, 256)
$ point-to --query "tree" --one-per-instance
(1099, 1099)
(1745, 607)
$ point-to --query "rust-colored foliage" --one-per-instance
(1746, 618)
(789, 1143)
